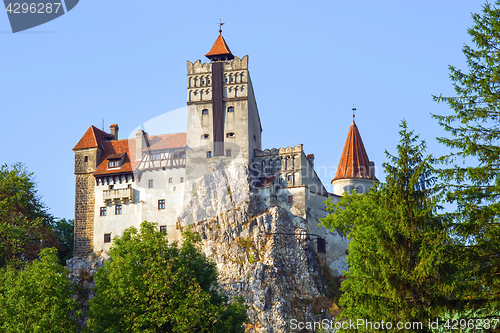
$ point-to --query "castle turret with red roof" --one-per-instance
(355, 170)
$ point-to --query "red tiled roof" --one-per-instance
(264, 181)
(92, 138)
(168, 141)
(120, 147)
(310, 156)
(220, 48)
(354, 162)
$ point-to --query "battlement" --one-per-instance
(279, 151)
(206, 67)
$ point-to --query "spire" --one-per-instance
(220, 50)
(354, 162)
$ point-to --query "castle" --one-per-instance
(120, 183)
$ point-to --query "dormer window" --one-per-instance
(114, 164)
(204, 111)
(230, 109)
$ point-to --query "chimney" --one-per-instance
(141, 143)
(310, 158)
(113, 129)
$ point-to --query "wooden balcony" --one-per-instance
(118, 195)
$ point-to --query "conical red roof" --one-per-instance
(220, 48)
(354, 162)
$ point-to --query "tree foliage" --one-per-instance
(25, 225)
(474, 139)
(65, 233)
(398, 261)
(37, 298)
(150, 285)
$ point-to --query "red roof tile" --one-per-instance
(220, 48)
(310, 156)
(120, 147)
(92, 138)
(354, 162)
(264, 181)
(169, 141)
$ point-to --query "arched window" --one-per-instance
(202, 81)
(195, 81)
(204, 112)
(208, 80)
(230, 135)
(231, 78)
(230, 109)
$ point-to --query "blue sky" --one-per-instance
(125, 61)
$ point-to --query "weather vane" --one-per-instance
(353, 110)
(220, 25)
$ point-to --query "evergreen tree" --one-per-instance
(150, 285)
(398, 262)
(37, 298)
(474, 139)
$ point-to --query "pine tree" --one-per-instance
(398, 263)
(475, 187)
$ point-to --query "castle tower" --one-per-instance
(355, 171)
(87, 155)
(223, 120)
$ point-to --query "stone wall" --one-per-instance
(84, 214)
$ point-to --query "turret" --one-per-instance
(355, 170)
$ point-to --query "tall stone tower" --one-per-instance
(355, 170)
(87, 155)
(223, 120)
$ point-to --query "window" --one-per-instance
(161, 204)
(118, 209)
(170, 180)
(129, 185)
(182, 179)
(205, 136)
(86, 159)
(174, 188)
(103, 211)
(209, 154)
(289, 177)
(111, 187)
(254, 138)
(204, 111)
(163, 228)
(228, 153)
(150, 183)
(290, 199)
(229, 135)
(230, 109)
(107, 238)
(114, 164)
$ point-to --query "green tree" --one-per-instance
(398, 261)
(37, 298)
(25, 225)
(65, 233)
(150, 285)
(474, 139)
